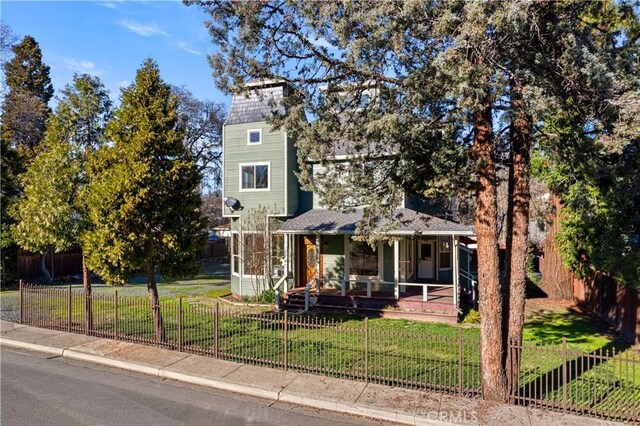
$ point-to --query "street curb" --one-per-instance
(31, 346)
(216, 384)
(97, 359)
(219, 384)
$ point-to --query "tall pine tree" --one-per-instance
(27, 90)
(448, 75)
(143, 200)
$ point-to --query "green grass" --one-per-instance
(550, 326)
(400, 352)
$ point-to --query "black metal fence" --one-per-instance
(601, 384)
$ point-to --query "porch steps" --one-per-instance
(292, 302)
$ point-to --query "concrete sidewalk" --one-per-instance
(346, 396)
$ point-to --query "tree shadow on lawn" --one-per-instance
(551, 325)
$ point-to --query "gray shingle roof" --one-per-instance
(321, 221)
(259, 103)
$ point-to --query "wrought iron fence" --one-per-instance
(604, 384)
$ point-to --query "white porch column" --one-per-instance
(347, 266)
(456, 268)
(318, 251)
(396, 269)
(289, 261)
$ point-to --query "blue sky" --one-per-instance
(110, 39)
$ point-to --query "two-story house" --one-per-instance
(283, 236)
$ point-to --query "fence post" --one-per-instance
(564, 374)
(460, 362)
(21, 302)
(180, 325)
(116, 326)
(69, 306)
(366, 349)
(286, 340)
(216, 331)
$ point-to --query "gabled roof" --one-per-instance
(259, 101)
(322, 221)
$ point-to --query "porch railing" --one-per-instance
(396, 287)
(307, 294)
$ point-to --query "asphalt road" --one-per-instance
(37, 389)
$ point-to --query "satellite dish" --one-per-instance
(231, 202)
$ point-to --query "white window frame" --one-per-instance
(235, 235)
(263, 163)
(244, 233)
(440, 239)
(249, 136)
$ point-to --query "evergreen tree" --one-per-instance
(447, 77)
(26, 91)
(25, 107)
(44, 214)
(50, 215)
(142, 199)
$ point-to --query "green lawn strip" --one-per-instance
(593, 384)
(398, 352)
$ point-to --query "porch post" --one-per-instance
(456, 269)
(289, 265)
(318, 268)
(347, 266)
(396, 268)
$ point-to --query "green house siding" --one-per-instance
(387, 263)
(446, 275)
(235, 285)
(333, 260)
(464, 261)
(293, 186)
(272, 151)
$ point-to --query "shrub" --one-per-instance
(472, 317)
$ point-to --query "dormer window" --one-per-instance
(254, 137)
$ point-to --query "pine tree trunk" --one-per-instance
(486, 223)
(519, 247)
(557, 279)
(43, 267)
(506, 280)
(86, 285)
(155, 302)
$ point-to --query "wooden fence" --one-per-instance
(214, 249)
(64, 263)
(614, 302)
(70, 262)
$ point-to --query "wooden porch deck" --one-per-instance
(439, 307)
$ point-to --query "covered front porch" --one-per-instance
(408, 270)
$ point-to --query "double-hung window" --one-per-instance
(254, 177)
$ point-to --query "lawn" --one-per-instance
(398, 352)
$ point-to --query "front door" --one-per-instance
(309, 259)
(425, 259)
